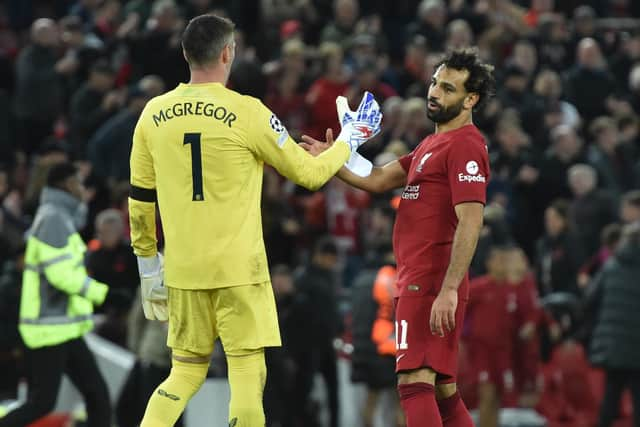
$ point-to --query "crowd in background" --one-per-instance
(554, 264)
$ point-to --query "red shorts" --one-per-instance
(417, 347)
(492, 365)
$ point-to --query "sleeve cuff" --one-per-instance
(96, 292)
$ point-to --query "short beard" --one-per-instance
(445, 115)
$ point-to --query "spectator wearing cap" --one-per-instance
(589, 82)
(591, 208)
(616, 339)
(108, 149)
(91, 105)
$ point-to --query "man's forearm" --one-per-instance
(465, 240)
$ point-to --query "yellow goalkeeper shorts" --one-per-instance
(243, 317)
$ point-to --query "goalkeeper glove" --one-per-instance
(358, 127)
(153, 292)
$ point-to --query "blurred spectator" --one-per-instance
(111, 260)
(341, 29)
(413, 124)
(612, 159)
(615, 340)
(609, 239)
(39, 87)
(81, 44)
(430, 23)
(558, 252)
(10, 341)
(549, 86)
(322, 94)
(294, 357)
(316, 282)
(374, 341)
(459, 34)
(591, 208)
(91, 105)
(157, 49)
(565, 151)
(413, 68)
(589, 82)
(630, 207)
(108, 150)
(57, 301)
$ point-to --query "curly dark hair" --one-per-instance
(480, 80)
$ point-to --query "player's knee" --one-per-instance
(487, 394)
(445, 391)
(421, 375)
(190, 367)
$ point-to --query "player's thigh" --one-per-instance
(246, 317)
(192, 321)
(417, 347)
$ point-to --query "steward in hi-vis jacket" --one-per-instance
(56, 305)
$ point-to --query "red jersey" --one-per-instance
(494, 314)
(444, 170)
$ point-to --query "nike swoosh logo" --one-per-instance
(400, 357)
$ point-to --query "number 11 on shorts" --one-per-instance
(402, 333)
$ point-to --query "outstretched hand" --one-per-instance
(314, 146)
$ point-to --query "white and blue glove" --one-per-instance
(153, 292)
(358, 127)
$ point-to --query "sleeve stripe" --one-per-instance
(143, 194)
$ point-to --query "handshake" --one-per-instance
(357, 128)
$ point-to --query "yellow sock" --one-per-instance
(171, 397)
(247, 375)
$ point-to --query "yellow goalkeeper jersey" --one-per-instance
(198, 151)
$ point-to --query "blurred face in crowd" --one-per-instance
(74, 186)
(110, 233)
(548, 84)
(447, 94)
(566, 143)
(102, 81)
(496, 263)
(517, 265)
(582, 179)
(346, 12)
(433, 12)
(629, 213)
(608, 138)
(4, 183)
(589, 54)
(542, 6)
(554, 223)
(44, 32)
(459, 34)
(282, 285)
(525, 56)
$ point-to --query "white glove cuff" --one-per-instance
(359, 165)
(149, 266)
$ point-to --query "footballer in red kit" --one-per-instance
(437, 227)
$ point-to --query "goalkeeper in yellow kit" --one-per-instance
(198, 151)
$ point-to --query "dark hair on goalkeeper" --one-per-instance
(480, 80)
(205, 37)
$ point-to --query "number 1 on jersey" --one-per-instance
(193, 139)
(401, 332)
